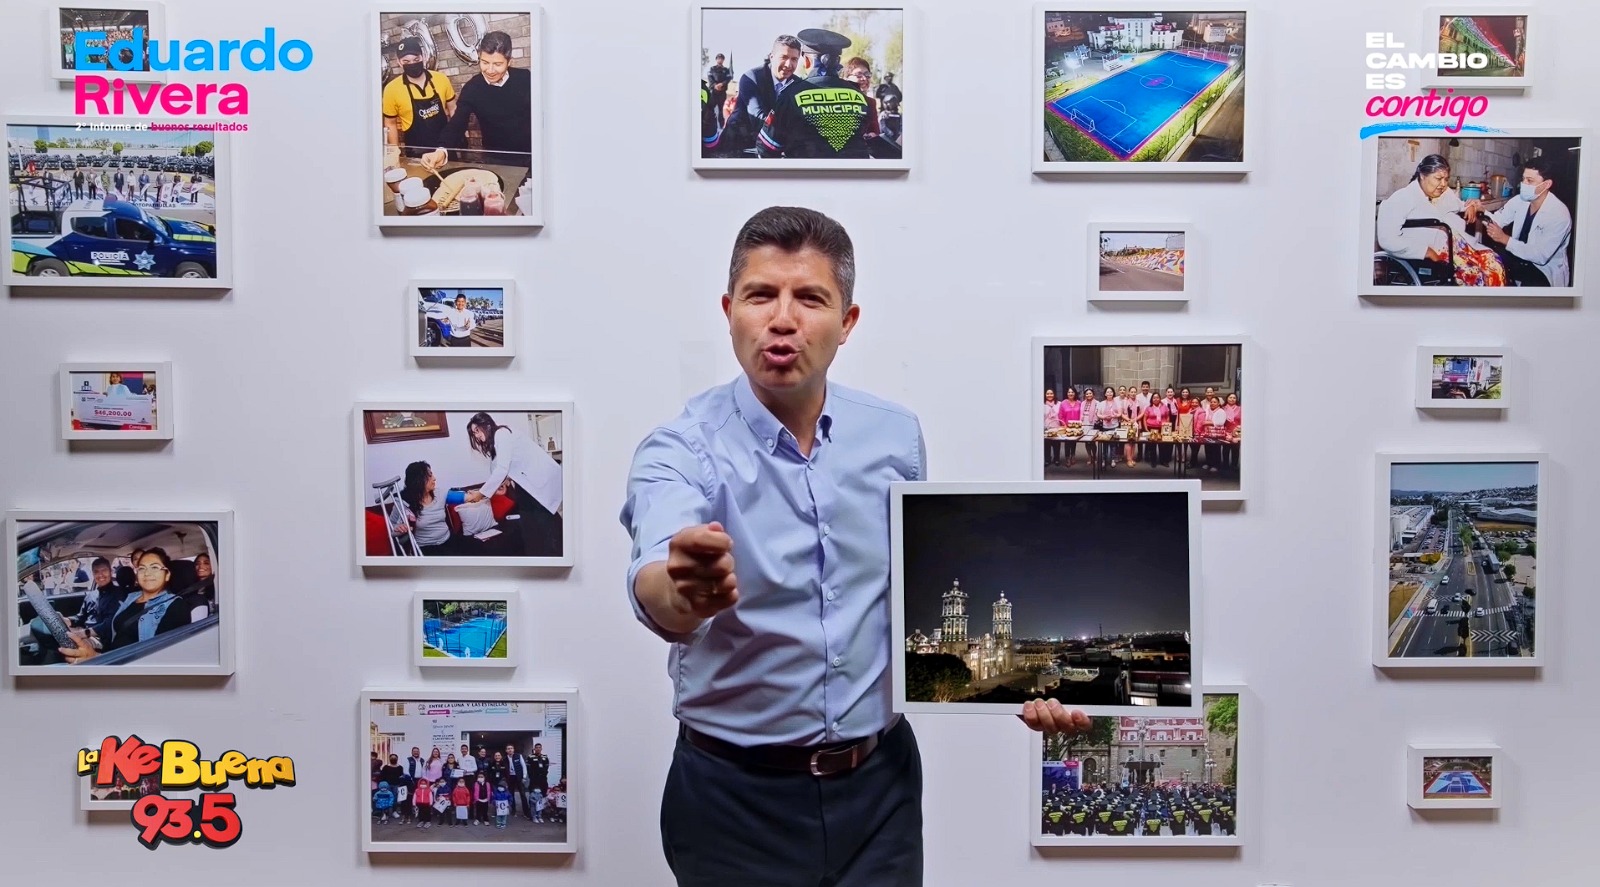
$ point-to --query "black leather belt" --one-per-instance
(818, 760)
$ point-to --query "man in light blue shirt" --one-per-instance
(791, 766)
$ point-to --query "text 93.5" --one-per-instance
(209, 820)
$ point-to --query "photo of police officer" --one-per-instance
(457, 115)
(810, 97)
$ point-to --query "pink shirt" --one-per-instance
(1233, 416)
(1155, 415)
(1052, 414)
(1070, 411)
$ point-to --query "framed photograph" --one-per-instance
(979, 595)
(469, 771)
(1457, 547)
(139, 208)
(788, 86)
(466, 630)
(1143, 408)
(1147, 781)
(1492, 40)
(460, 107)
(116, 401)
(1462, 377)
(122, 795)
(1463, 777)
(463, 485)
(81, 35)
(1139, 263)
(1473, 216)
(1136, 88)
(122, 593)
(460, 318)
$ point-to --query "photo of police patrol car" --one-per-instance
(135, 208)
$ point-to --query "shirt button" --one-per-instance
(835, 726)
(838, 661)
(811, 466)
(830, 595)
(824, 529)
(770, 444)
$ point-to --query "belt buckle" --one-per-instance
(817, 755)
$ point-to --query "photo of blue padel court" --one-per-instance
(1144, 87)
(464, 629)
(1456, 778)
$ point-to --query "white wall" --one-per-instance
(960, 263)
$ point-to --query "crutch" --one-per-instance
(396, 514)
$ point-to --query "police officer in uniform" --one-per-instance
(825, 117)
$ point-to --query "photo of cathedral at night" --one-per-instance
(1012, 619)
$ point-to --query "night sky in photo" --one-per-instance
(1068, 562)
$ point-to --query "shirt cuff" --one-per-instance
(658, 554)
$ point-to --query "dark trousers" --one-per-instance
(723, 824)
(539, 528)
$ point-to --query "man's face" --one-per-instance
(785, 318)
(410, 58)
(416, 752)
(493, 65)
(538, 748)
(1539, 182)
(784, 60)
(102, 576)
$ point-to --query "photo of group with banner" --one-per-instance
(1129, 410)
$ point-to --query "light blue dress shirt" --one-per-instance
(803, 657)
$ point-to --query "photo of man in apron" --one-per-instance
(417, 104)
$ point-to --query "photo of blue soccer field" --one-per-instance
(458, 629)
(1140, 87)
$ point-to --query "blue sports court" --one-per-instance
(1124, 110)
(1457, 782)
(472, 639)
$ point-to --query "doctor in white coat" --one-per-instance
(1535, 225)
(1427, 196)
(536, 482)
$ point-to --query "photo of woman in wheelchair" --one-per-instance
(1427, 235)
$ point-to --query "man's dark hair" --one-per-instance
(1540, 165)
(100, 562)
(792, 229)
(720, 56)
(790, 41)
(495, 43)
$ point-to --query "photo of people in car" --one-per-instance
(121, 593)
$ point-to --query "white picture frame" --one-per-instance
(160, 655)
(1463, 782)
(1424, 279)
(427, 653)
(899, 492)
(1488, 369)
(49, 257)
(458, 413)
(1414, 629)
(459, 30)
(1243, 366)
(88, 803)
(1245, 756)
(56, 63)
(160, 410)
(442, 698)
(422, 325)
(908, 70)
(1144, 278)
(1040, 141)
(1433, 78)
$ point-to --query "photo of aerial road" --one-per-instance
(1462, 549)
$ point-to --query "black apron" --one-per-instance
(427, 119)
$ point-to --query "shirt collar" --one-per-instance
(765, 425)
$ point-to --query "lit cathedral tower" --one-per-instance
(1002, 632)
(953, 636)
